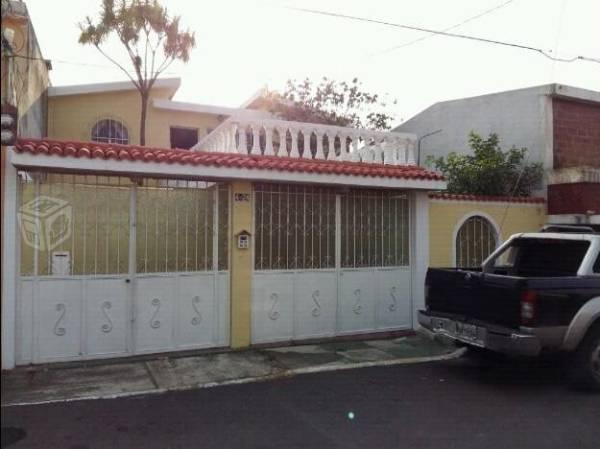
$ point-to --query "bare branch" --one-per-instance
(136, 83)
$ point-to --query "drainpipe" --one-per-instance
(419, 143)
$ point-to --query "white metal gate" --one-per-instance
(112, 266)
(329, 263)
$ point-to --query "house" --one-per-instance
(231, 228)
(558, 124)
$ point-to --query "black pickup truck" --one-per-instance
(537, 293)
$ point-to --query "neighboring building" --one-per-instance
(559, 125)
(25, 72)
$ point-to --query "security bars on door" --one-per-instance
(475, 241)
(176, 222)
(81, 225)
(374, 229)
(295, 228)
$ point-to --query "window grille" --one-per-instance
(176, 224)
(93, 231)
(294, 227)
(475, 241)
(374, 229)
(110, 131)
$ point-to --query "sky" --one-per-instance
(244, 45)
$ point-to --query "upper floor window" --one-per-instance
(110, 131)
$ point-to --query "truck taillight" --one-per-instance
(528, 306)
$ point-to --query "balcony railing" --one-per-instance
(272, 137)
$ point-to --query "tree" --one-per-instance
(329, 102)
(489, 170)
(152, 38)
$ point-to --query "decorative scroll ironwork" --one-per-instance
(394, 305)
(106, 327)
(273, 313)
(316, 311)
(198, 318)
(357, 309)
(58, 330)
(154, 323)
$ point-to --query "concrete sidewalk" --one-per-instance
(110, 379)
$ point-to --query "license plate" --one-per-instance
(468, 333)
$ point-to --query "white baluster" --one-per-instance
(294, 151)
(306, 133)
(320, 154)
(331, 143)
(269, 141)
(388, 152)
(255, 138)
(344, 153)
(410, 157)
(355, 156)
(282, 152)
(243, 141)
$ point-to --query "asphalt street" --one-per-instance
(451, 404)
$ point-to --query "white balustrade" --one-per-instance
(280, 138)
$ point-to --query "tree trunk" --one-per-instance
(144, 96)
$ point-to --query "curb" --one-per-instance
(246, 380)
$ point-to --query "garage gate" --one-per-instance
(329, 263)
(113, 266)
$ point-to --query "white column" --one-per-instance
(419, 236)
(10, 261)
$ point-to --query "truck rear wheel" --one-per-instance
(586, 366)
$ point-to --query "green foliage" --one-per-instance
(153, 41)
(489, 170)
(330, 102)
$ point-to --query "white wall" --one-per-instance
(518, 117)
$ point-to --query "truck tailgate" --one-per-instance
(475, 296)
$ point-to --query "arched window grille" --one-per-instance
(110, 131)
(475, 241)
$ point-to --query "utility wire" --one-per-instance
(84, 64)
(453, 27)
(447, 34)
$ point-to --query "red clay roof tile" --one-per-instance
(96, 150)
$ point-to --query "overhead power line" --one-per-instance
(447, 34)
(453, 27)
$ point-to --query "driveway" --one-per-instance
(447, 404)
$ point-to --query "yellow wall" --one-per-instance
(241, 267)
(446, 215)
(71, 117)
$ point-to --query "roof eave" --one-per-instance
(175, 170)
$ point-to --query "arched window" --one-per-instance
(475, 241)
(110, 131)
